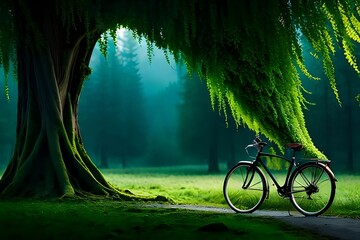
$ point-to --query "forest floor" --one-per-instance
(200, 213)
(333, 227)
(104, 219)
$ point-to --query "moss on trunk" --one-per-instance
(49, 158)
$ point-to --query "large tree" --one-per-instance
(246, 50)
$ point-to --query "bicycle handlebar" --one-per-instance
(257, 143)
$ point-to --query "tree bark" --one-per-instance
(49, 159)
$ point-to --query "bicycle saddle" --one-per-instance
(295, 146)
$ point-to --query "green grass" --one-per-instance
(110, 219)
(182, 185)
(347, 198)
(193, 185)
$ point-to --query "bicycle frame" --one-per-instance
(284, 189)
(258, 161)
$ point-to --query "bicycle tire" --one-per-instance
(312, 188)
(248, 198)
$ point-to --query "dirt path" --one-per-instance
(334, 227)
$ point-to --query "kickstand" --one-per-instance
(289, 209)
(289, 213)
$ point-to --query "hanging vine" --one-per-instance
(249, 52)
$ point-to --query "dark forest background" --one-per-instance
(139, 112)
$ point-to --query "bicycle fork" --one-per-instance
(249, 177)
(250, 172)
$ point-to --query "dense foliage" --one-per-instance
(249, 52)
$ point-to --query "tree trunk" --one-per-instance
(232, 158)
(349, 128)
(49, 159)
(213, 156)
(124, 160)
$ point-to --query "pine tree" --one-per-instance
(203, 133)
(119, 105)
(133, 139)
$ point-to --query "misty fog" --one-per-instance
(139, 112)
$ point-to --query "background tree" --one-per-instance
(113, 96)
(203, 133)
(133, 139)
(7, 121)
(163, 121)
(247, 61)
(101, 105)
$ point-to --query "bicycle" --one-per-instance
(310, 185)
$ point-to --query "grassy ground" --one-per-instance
(104, 219)
(109, 219)
(194, 186)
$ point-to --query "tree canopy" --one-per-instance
(249, 52)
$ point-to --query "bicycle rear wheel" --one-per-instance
(312, 189)
(244, 187)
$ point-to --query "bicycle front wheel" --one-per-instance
(312, 189)
(244, 187)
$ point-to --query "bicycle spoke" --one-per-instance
(301, 185)
(323, 181)
(306, 180)
(312, 189)
(244, 188)
(243, 175)
(316, 180)
(257, 189)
